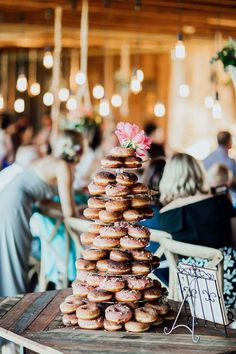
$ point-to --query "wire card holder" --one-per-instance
(199, 288)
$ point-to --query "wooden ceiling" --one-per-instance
(29, 23)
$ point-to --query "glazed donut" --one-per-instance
(119, 256)
(120, 151)
(87, 312)
(138, 231)
(116, 190)
(86, 238)
(113, 231)
(97, 323)
(145, 315)
(152, 293)
(155, 261)
(95, 228)
(148, 212)
(126, 179)
(117, 204)
(139, 283)
(84, 264)
(70, 306)
(132, 215)
(112, 326)
(92, 254)
(99, 295)
(103, 178)
(156, 283)
(136, 327)
(170, 316)
(140, 202)
(102, 265)
(162, 309)
(91, 214)
(112, 162)
(118, 268)
(105, 243)
(118, 313)
(75, 299)
(133, 162)
(112, 284)
(69, 319)
(141, 255)
(130, 243)
(127, 295)
(96, 203)
(110, 216)
(94, 189)
(94, 279)
(158, 322)
(139, 188)
(80, 288)
(82, 275)
(140, 267)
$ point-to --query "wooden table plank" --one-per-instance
(7, 303)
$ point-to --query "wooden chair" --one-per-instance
(172, 249)
(75, 226)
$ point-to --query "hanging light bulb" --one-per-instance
(35, 89)
(217, 109)
(180, 47)
(48, 99)
(19, 105)
(104, 108)
(80, 78)
(159, 110)
(184, 90)
(1, 102)
(135, 85)
(71, 104)
(98, 92)
(139, 75)
(209, 102)
(116, 100)
(21, 83)
(48, 59)
(63, 94)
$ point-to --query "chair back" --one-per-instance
(75, 226)
(157, 236)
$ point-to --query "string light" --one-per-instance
(48, 60)
(135, 86)
(48, 99)
(180, 47)
(209, 102)
(80, 78)
(140, 75)
(19, 105)
(98, 92)
(159, 110)
(104, 108)
(1, 102)
(21, 83)
(71, 104)
(35, 89)
(63, 94)
(116, 100)
(217, 109)
(184, 90)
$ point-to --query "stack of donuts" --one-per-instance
(112, 289)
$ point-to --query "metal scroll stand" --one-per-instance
(193, 290)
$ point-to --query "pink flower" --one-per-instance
(129, 136)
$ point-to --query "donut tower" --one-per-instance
(112, 289)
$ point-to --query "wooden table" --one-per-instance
(34, 322)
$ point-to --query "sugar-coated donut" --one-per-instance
(130, 243)
(91, 214)
(155, 261)
(138, 231)
(170, 316)
(120, 256)
(82, 275)
(117, 204)
(132, 215)
(118, 313)
(152, 293)
(113, 231)
(103, 178)
(126, 179)
(127, 295)
(112, 326)
(162, 309)
(75, 299)
(139, 283)
(87, 311)
(112, 284)
(112, 162)
(133, 162)
(86, 238)
(139, 188)
(118, 268)
(145, 315)
(106, 243)
(84, 264)
(94, 189)
(80, 288)
(96, 203)
(116, 190)
(148, 212)
(97, 323)
(94, 279)
(120, 151)
(95, 228)
(69, 319)
(99, 295)
(102, 265)
(92, 254)
(140, 202)
(140, 267)
(136, 327)
(70, 306)
(141, 255)
(110, 216)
